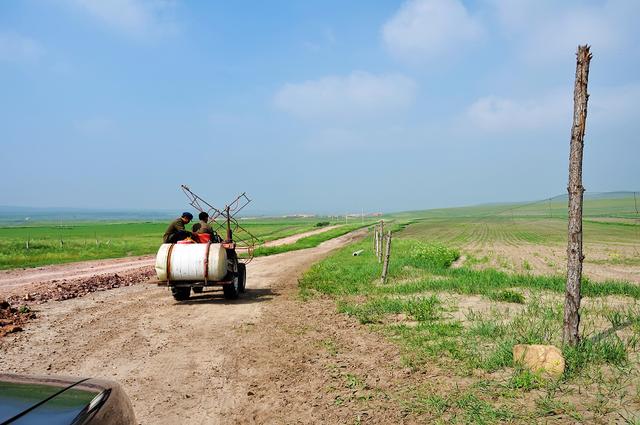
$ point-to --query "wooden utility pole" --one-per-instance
(570, 331)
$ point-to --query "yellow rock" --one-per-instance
(545, 359)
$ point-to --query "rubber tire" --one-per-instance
(242, 272)
(197, 289)
(180, 293)
(232, 290)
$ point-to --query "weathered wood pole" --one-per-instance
(375, 239)
(570, 331)
(378, 243)
(385, 266)
(381, 241)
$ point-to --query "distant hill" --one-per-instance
(619, 204)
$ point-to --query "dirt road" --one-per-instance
(208, 360)
(295, 238)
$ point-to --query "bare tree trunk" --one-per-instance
(570, 332)
(385, 266)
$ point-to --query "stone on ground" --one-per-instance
(545, 359)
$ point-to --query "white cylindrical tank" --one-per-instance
(186, 262)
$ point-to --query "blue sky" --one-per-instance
(311, 106)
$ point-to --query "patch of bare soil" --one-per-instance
(65, 289)
(600, 259)
(19, 298)
(13, 318)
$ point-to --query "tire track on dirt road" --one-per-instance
(177, 361)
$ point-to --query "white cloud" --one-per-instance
(424, 29)
(19, 49)
(133, 17)
(498, 114)
(609, 107)
(614, 106)
(356, 95)
(546, 30)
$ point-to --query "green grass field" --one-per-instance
(532, 237)
(466, 322)
(51, 244)
(465, 319)
(606, 219)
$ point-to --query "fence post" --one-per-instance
(378, 242)
(571, 323)
(385, 266)
(375, 240)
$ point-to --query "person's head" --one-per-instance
(187, 217)
(203, 216)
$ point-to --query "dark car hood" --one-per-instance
(45, 399)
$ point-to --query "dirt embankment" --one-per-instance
(266, 358)
(14, 280)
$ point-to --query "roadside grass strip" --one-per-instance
(307, 242)
(420, 308)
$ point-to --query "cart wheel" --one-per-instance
(180, 293)
(232, 290)
(242, 272)
(197, 289)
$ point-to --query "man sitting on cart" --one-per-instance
(204, 228)
(176, 230)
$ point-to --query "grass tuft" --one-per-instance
(507, 296)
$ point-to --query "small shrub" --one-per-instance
(615, 317)
(433, 255)
(424, 309)
(526, 380)
(507, 296)
(610, 350)
(487, 329)
(501, 356)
